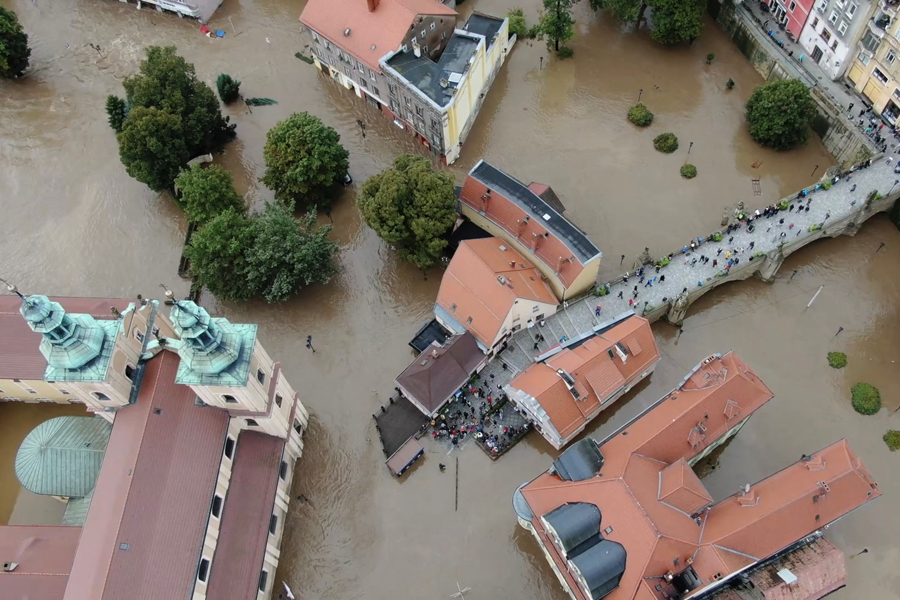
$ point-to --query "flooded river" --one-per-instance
(75, 224)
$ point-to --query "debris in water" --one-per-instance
(260, 101)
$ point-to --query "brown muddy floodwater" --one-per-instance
(75, 224)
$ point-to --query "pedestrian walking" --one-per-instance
(620, 294)
(715, 262)
(662, 278)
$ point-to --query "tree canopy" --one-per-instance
(411, 206)
(116, 112)
(152, 148)
(167, 83)
(304, 160)
(556, 22)
(14, 50)
(271, 254)
(673, 21)
(779, 114)
(207, 192)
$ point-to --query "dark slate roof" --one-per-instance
(582, 461)
(399, 421)
(485, 25)
(441, 370)
(431, 331)
(575, 524)
(602, 566)
(524, 198)
(426, 74)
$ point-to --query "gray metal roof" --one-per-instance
(575, 239)
(601, 566)
(77, 510)
(575, 524)
(433, 78)
(62, 456)
(485, 25)
(582, 461)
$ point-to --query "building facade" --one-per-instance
(875, 71)
(206, 431)
(790, 13)
(832, 32)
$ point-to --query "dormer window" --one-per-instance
(260, 376)
(102, 397)
(229, 398)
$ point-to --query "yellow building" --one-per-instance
(875, 71)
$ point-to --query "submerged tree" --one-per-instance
(412, 206)
(779, 114)
(674, 21)
(557, 23)
(116, 113)
(207, 192)
(218, 255)
(304, 160)
(152, 147)
(229, 88)
(14, 50)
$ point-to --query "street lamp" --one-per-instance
(640, 93)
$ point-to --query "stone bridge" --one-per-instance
(840, 210)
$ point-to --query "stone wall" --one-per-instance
(845, 143)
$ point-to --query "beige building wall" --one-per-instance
(875, 70)
(523, 311)
(584, 282)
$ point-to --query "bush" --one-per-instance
(229, 89)
(601, 290)
(826, 185)
(717, 237)
(784, 205)
(838, 360)
(710, 57)
(116, 112)
(779, 114)
(663, 261)
(892, 439)
(640, 115)
(666, 142)
(866, 399)
(688, 171)
(534, 32)
(517, 24)
(565, 52)
(730, 83)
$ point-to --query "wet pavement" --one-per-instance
(75, 224)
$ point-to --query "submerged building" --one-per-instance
(628, 519)
(179, 485)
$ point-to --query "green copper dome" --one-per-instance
(70, 342)
(208, 346)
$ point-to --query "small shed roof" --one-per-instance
(62, 456)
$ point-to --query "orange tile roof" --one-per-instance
(592, 368)
(471, 286)
(647, 493)
(372, 34)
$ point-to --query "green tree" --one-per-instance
(218, 255)
(627, 11)
(206, 193)
(288, 253)
(168, 82)
(229, 88)
(676, 21)
(779, 114)
(304, 160)
(557, 23)
(517, 24)
(152, 148)
(411, 206)
(14, 50)
(115, 110)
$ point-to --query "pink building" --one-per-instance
(791, 13)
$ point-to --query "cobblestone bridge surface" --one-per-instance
(691, 273)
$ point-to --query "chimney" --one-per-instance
(373, 4)
(434, 353)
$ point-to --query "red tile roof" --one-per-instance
(45, 556)
(593, 370)
(153, 494)
(241, 549)
(20, 355)
(472, 286)
(372, 34)
(641, 459)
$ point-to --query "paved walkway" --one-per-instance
(690, 270)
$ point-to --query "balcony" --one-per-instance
(890, 7)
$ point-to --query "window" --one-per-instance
(203, 571)
(826, 35)
(443, 34)
(535, 308)
(315, 36)
(834, 45)
(273, 524)
(373, 75)
(347, 71)
(432, 26)
(890, 57)
(851, 10)
(870, 41)
(821, 6)
(815, 22)
(879, 75)
(392, 89)
(64, 392)
(278, 400)
(129, 372)
(792, 6)
(138, 335)
(298, 426)
(408, 103)
(360, 66)
(419, 111)
(260, 376)
(424, 49)
(282, 472)
(404, 48)
(897, 93)
(469, 320)
(363, 83)
(101, 396)
(840, 3)
(833, 17)
(229, 398)
(263, 580)
(435, 124)
(842, 28)
(252, 423)
(229, 447)
(216, 506)
(423, 34)
(327, 45)
(331, 60)
(415, 40)
(375, 89)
